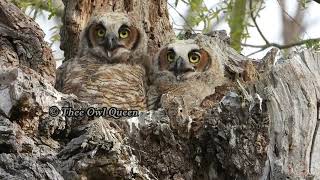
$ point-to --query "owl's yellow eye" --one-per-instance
(101, 32)
(194, 57)
(124, 33)
(171, 56)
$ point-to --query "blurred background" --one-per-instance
(253, 25)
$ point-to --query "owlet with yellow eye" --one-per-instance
(110, 68)
(186, 68)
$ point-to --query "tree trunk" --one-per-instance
(292, 93)
(22, 42)
(263, 125)
(150, 16)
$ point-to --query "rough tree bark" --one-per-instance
(292, 93)
(150, 16)
(264, 125)
(22, 42)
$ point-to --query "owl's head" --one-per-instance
(110, 37)
(183, 58)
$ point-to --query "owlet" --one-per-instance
(108, 70)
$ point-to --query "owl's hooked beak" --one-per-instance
(181, 67)
(111, 42)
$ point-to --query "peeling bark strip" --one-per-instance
(22, 43)
(292, 91)
(151, 17)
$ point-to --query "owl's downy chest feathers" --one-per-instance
(111, 85)
(195, 89)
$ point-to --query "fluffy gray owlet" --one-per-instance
(184, 73)
(187, 68)
(107, 70)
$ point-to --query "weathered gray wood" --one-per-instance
(22, 42)
(41, 137)
(26, 97)
(291, 91)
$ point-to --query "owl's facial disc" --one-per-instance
(179, 67)
(111, 43)
(183, 60)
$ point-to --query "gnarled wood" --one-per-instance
(149, 16)
(22, 42)
(291, 91)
